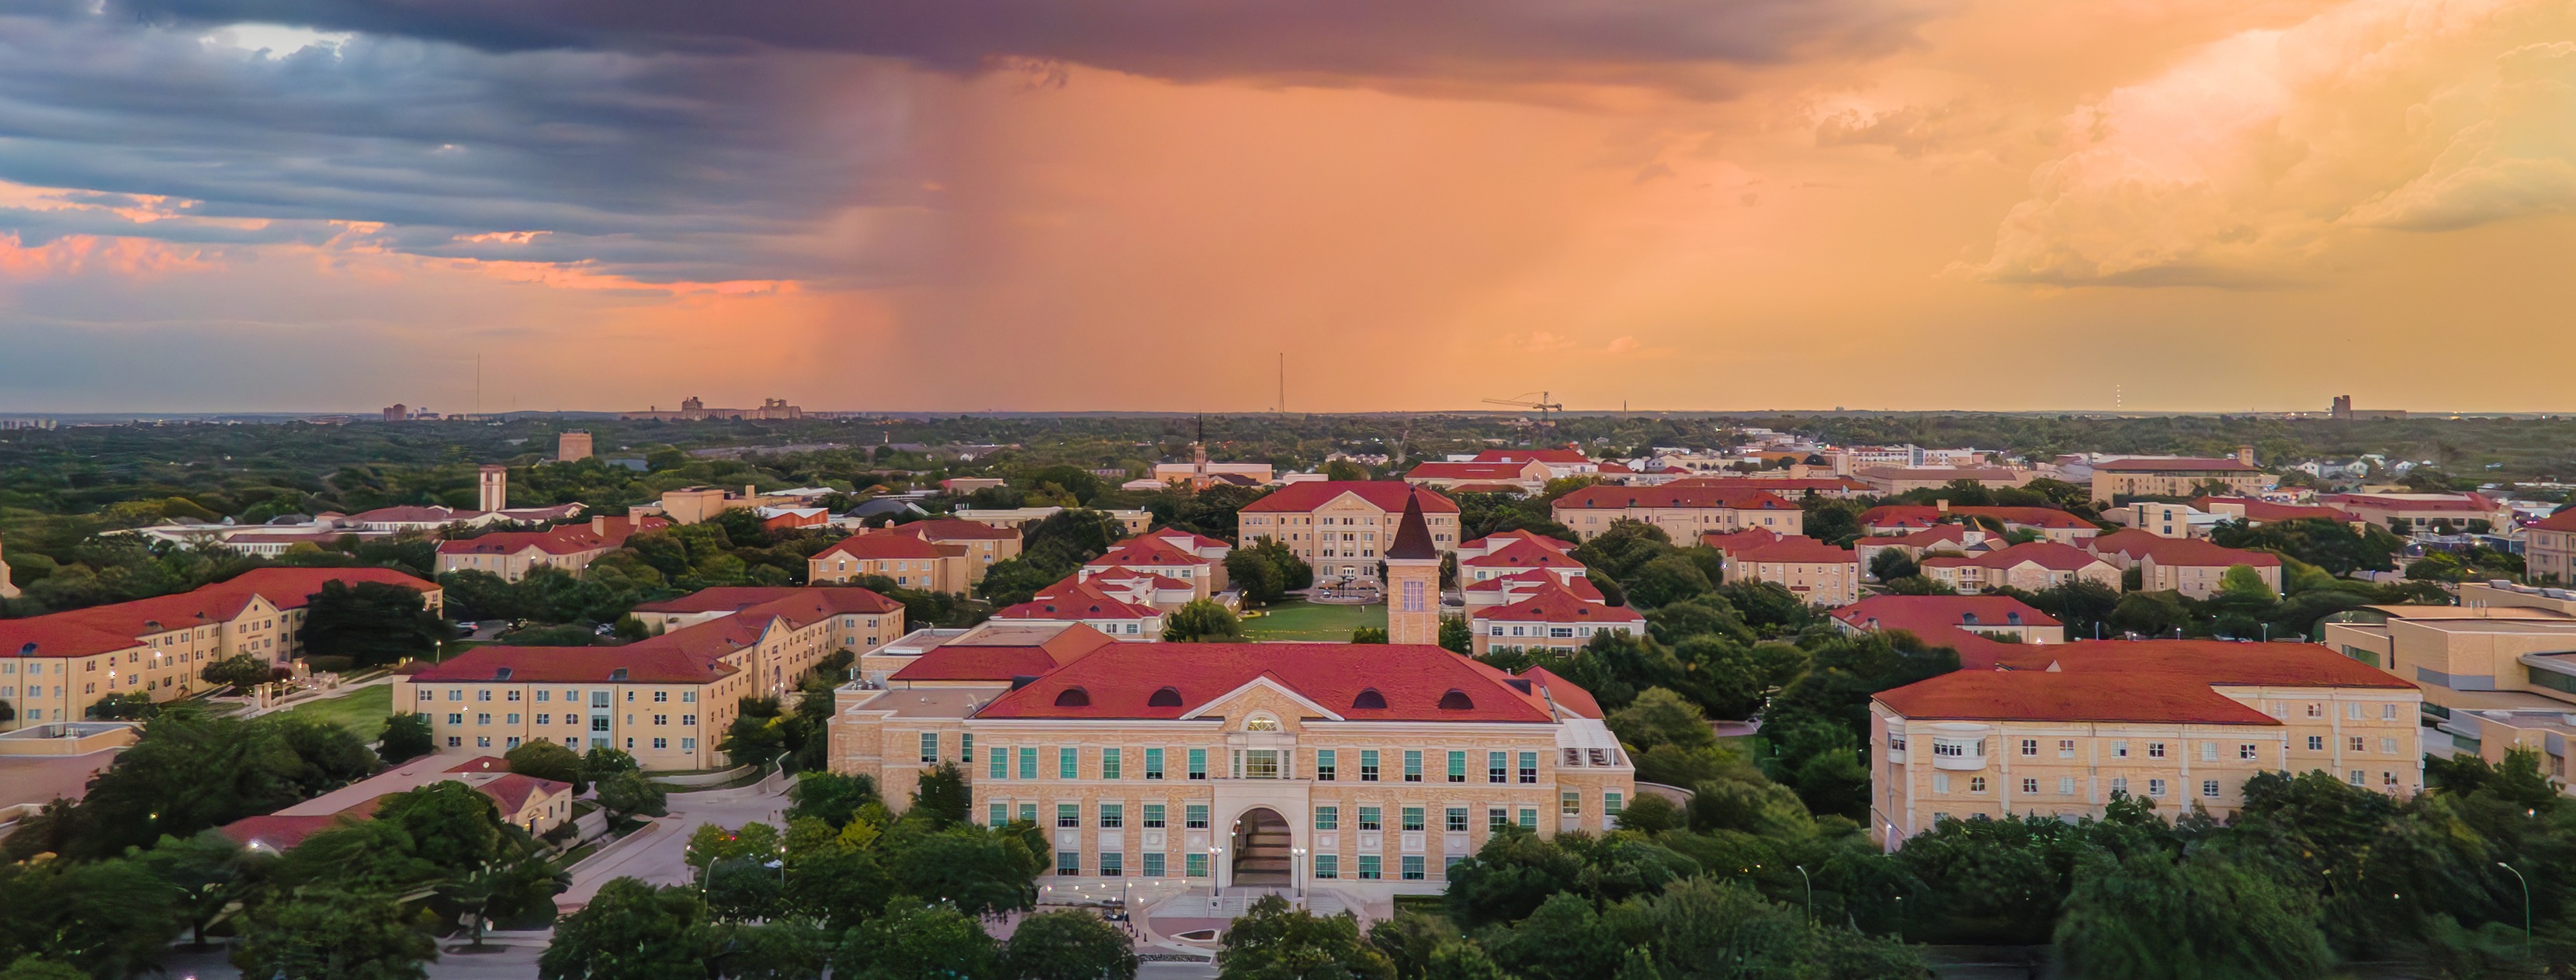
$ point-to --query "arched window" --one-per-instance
(1263, 723)
(1168, 697)
(1457, 700)
(1073, 697)
(1369, 699)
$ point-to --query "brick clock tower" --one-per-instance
(1412, 580)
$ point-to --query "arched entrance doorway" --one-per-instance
(1260, 848)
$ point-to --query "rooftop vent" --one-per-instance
(502, 674)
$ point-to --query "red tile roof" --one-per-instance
(584, 665)
(100, 629)
(2467, 503)
(513, 792)
(2126, 541)
(1564, 692)
(1989, 695)
(2197, 552)
(2046, 554)
(1466, 471)
(1919, 515)
(1185, 540)
(955, 529)
(1558, 456)
(1488, 488)
(2564, 520)
(1774, 484)
(1553, 604)
(1732, 542)
(1386, 495)
(55, 636)
(597, 535)
(1145, 551)
(1121, 678)
(1075, 599)
(1924, 615)
(1797, 550)
(278, 833)
(1499, 538)
(1672, 496)
(2174, 465)
(1002, 661)
(1522, 554)
(2218, 662)
(1938, 534)
(886, 544)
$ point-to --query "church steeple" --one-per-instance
(1413, 579)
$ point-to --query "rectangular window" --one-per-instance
(2155, 789)
(1497, 818)
(1458, 819)
(965, 743)
(1029, 814)
(2120, 785)
(1529, 767)
(997, 814)
(1328, 818)
(1369, 868)
(2208, 751)
(1198, 763)
(1611, 804)
(2119, 749)
(1153, 763)
(2316, 743)
(1113, 816)
(1068, 815)
(2030, 747)
(1413, 818)
(2030, 786)
(2388, 746)
(1153, 816)
(1412, 765)
(1153, 867)
(929, 747)
(1569, 804)
(1194, 865)
(1029, 763)
(1001, 765)
(1324, 765)
(1109, 763)
(2247, 751)
(1068, 763)
(2356, 777)
(1412, 862)
(2209, 788)
(2065, 785)
(1328, 866)
(2155, 750)
(1457, 767)
(1194, 816)
(1529, 818)
(2352, 743)
(1369, 818)
(1497, 767)
(1068, 862)
(1112, 864)
(1368, 765)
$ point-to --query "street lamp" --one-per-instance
(1216, 870)
(2526, 908)
(1811, 892)
(1297, 881)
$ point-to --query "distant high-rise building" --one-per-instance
(572, 446)
(397, 412)
(496, 489)
(2344, 411)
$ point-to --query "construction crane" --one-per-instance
(1523, 400)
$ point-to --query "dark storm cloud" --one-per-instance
(1180, 39)
(665, 165)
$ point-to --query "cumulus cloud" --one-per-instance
(2264, 149)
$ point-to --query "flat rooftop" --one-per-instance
(2422, 613)
(933, 702)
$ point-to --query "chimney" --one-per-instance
(2245, 455)
(1943, 504)
(599, 525)
(749, 492)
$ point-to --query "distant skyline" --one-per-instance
(1909, 205)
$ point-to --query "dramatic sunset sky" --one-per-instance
(307, 205)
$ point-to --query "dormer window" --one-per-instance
(1369, 699)
(1167, 697)
(1073, 697)
(1457, 700)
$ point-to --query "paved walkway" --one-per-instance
(658, 853)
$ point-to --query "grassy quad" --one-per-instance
(361, 711)
(1311, 623)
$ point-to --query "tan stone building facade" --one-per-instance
(1364, 768)
(1683, 512)
(1343, 527)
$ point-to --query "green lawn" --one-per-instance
(1313, 623)
(362, 711)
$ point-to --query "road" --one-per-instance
(657, 855)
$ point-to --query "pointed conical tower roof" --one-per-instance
(1413, 534)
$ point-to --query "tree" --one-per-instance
(629, 794)
(241, 673)
(1455, 634)
(33, 967)
(206, 870)
(837, 886)
(1266, 571)
(1661, 717)
(1369, 634)
(187, 772)
(2150, 917)
(631, 931)
(1464, 960)
(2243, 582)
(916, 942)
(979, 870)
(331, 756)
(1650, 813)
(407, 737)
(372, 623)
(1890, 564)
(1273, 942)
(1202, 621)
(745, 888)
(829, 796)
(111, 918)
(329, 934)
(1671, 578)
(1408, 940)
(546, 759)
(942, 795)
(1508, 878)
(1067, 945)
(602, 762)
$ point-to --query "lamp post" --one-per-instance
(1296, 880)
(2526, 908)
(1216, 870)
(1811, 892)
